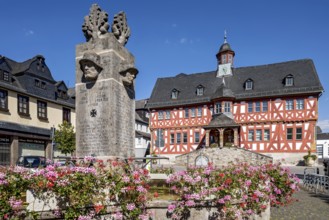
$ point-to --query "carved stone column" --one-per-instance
(236, 136)
(207, 138)
(221, 137)
(14, 150)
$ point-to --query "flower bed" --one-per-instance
(86, 192)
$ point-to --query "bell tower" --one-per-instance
(225, 54)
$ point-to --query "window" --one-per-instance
(167, 114)
(179, 137)
(257, 106)
(300, 104)
(160, 115)
(62, 94)
(67, 115)
(139, 141)
(172, 138)
(193, 112)
(223, 58)
(199, 90)
(249, 107)
(3, 100)
(230, 58)
(174, 94)
(37, 83)
(289, 133)
(42, 109)
(250, 135)
(249, 84)
(290, 104)
(299, 133)
(199, 111)
(4, 75)
(227, 107)
(218, 108)
(196, 137)
(186, 113)
(43, 85)
(265, 106)
(266, 135)
(289, 80)
(23, 105)
(258, 135)
(184, 137)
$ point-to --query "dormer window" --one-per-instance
(4, 75)
(37, 83)
(174, 94)
(249, 84)
(62, 94)
(43, 85)
(199, 90)
(289, 80)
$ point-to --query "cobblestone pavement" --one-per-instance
(309, 206)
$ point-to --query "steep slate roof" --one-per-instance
(322, 136)
(24, 74)
(268, 82)
(221, 120)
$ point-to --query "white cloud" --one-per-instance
(29, 32)
(324, 124)
(183, 40)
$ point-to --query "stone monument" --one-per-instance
(105, 73)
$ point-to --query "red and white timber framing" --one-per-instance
(276, 119)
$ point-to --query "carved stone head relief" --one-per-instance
(90, 65)
(129, 75)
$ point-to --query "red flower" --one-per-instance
(156, 195)
(222, 175)
(228, 181)
(98, 208)
(50, 184)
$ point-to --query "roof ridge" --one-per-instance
(272, 64)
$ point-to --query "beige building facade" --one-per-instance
(32, 103)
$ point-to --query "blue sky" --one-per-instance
(175, 36)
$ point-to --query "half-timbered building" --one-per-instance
(271, 109)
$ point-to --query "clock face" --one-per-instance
(201, 160)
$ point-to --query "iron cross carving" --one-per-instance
(93, 113)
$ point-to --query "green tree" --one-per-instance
(65, 138)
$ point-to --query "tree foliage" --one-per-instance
(65, 138)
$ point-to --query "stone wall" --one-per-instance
(223, 156)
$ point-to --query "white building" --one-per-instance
(142, 132)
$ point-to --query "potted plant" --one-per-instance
(310, 159)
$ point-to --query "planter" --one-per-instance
(309, 161)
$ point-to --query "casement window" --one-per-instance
(266, 135)
(23, 105)
(200, 90)
(172, 138)
(4, 75)
(249, 85)
(289, 133)
(186, 113)
(174, 94)
(196, 137)
(184, 137)
(230, 58)
(167, 114)
(257, 106)
(218, 108)
(289, 80)
(300, 104)
(193, 112)
(223, 59)
(160, 115)
(62, 94)
(3, 100)
(251, 135)
(264, 106)
(227, 107)
(258, 135)
(290, 104)
(250, 107)
(67, 115)
(199, 111)
(42, 110)
(299, 133)
(179, 138)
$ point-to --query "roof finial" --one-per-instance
(225, 37)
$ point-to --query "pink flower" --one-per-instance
(190, 203)
(131, 206)
(171, 208)
(247, 183)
